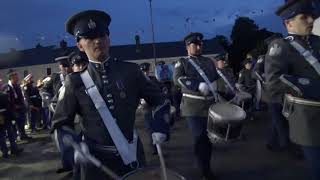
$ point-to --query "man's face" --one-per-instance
(220, 64)
(96, 48)
(301, 24)
(194, 49)
(65, 69)
(14, 78)
(248, 66)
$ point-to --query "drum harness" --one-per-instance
(205, 78)
(313, 61)
(127, 151)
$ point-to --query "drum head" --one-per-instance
(226, 113)
(151, 174)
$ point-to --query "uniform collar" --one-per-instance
(305, 38)
(99, 65)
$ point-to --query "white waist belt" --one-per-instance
(198, 97)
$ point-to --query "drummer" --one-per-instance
(196, 98)
(284, 58)
(118, 86)
(226, 82)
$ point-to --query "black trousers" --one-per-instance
(201, 144)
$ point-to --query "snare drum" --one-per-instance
(303, 116)
(152, 173)
(225, 122)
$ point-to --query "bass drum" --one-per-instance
(225, 122)
(151, 173)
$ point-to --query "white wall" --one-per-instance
(40, 71)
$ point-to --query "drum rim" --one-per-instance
(301, 101)
(215, 115)
(153, 167)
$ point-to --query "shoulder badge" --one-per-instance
(304, 81)
(274, 50)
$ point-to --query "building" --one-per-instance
(40, 63)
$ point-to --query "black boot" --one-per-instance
(17, 151)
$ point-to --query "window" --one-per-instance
(48, 71)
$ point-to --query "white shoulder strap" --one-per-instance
(224, 78)
(127, 151)
(212, 86)
(314, 62)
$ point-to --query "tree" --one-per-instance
(223, 41)
(246, 38)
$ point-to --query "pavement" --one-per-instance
(247, 159)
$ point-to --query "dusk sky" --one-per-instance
(24, 23)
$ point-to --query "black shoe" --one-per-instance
(17, 151)
(5, 156)
(63, 169)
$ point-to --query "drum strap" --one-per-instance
(314, 62)
(212, 86)
(61, 78)
(225, 80)
(127, 151)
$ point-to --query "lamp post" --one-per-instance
(152, 30)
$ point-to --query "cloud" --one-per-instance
(34, 21)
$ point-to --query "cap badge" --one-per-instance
(304, 81)
(92, 24)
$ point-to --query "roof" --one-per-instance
(46, 55)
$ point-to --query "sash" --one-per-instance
(127, 151)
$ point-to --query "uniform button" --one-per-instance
(97, 65)
(103, 71)
(109, 95)
(110, 101)
(111, 107)
(105, 81)
(104, 76)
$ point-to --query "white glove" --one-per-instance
(204, 88)
(79, 158)
(158, 138)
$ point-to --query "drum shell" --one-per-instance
(304, 120)
(134, 174)
(225, 129)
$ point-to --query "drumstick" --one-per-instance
(162, 163)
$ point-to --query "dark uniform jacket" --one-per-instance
(122, 85)
(246, 80)
(258, 69)
(222, 87)
(6, 114)
(32, 95)
(282, 58)
(16, 98)
(188, 79)
(53, 85)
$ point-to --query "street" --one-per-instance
(247, 159)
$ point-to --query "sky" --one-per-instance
(24, 23)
